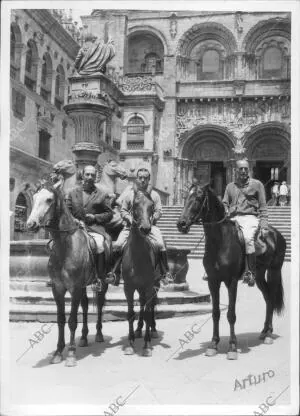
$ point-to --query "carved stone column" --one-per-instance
(91, 102)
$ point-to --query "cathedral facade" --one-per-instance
(197, 91)
(201, 89)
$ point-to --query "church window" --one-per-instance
(209, 66)
(20, 213)
(272, 63)
(135, 133)
(46, 80)
(31, 66)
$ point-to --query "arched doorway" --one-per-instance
(210, 150)
(21, 214)
(268, 149)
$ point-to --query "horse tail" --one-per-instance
(274, 275)
(276, 290)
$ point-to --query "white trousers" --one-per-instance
(249, 225)
(154, 236)
(99, 242)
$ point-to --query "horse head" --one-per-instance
(113, 169)
(45, 202)
(195, 208)
(142, 210)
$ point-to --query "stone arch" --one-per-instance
(141, 43)
(46, 79)
(206, 39)
(60, 86)
(206, 134)
(266, 29)
(22, 209)
(206, 31)
(15, 49)
(140, 115)
(31, 64)
(150, 29)
(268, 149)
(263, 134)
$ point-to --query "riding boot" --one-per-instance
(100, 265)
(114, 275)
(249, 275)
(166, 276)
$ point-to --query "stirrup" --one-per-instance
(111, 278)
(98, 286)
(249, 278)
(167, 278)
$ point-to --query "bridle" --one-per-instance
(198, 220)
(134, 221)
(48, 226)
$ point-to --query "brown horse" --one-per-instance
(71, 266)
(224, 261)
(138, 270)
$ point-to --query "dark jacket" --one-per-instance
(97, 204)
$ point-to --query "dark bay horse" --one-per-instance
(138, 270)
(70, 266)
(224, 261)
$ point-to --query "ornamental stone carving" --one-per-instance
(137, 84)
(238, 115)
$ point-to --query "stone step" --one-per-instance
(19, 294)
(47, 313)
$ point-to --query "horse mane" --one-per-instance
(219, 206)
(146, 192)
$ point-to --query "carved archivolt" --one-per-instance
(237, 116)
(266, 29)
(206, 31)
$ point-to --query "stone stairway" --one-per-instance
(279, 217)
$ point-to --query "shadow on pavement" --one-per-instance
(246, 342)
(96, 349)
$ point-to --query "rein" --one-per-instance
(206, 202)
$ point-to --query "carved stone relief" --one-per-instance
(238, 116)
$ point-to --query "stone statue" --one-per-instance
(94, 55)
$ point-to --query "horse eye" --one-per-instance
(49, 200)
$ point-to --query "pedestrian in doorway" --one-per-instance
(283, 194)
(275, 193)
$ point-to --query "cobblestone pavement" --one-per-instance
(178, 372)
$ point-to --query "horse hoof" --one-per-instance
(56, 359)
(147, 352)
(83, 342)
(99, 338)
(262, 336)
(268, 341)
(154, 334)
(71, 361)
(138, 333)
(129, 350)
(232, 355)
(210, 352)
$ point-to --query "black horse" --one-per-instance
(224, 261)
(139, 271)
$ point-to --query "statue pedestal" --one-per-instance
(179, 266)
(91, 102)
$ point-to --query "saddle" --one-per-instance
(259, 242)
(92, 247)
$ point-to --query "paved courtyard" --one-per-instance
(178, 373)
